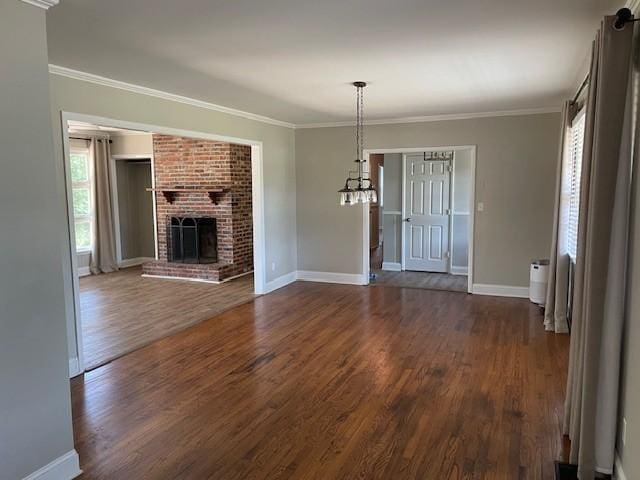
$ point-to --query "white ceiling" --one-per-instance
(293, 60)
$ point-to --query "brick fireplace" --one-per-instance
(201, 182)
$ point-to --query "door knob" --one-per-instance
(407, 219)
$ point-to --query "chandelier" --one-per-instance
(358, 187)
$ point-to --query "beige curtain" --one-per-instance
(103, 251)
(555, 316)
(596, 337)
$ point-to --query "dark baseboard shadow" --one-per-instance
(566, 471)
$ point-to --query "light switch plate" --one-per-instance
(481, 206)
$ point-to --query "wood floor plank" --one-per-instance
(123, 311)
(334, 382)
(427, 280)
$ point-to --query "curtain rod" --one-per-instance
(87, 139)
(623, 16)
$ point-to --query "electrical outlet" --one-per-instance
(624, 431)
(273, 266)
(481, 206)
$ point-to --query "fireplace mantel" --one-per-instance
(170, 192)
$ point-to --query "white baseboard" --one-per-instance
(132, 262)
(500, 290)
(65, 467)
(187, 279)
(392, 266)
(201, 280)
(129, 262)
(310, 276)
(74, 367)
(618, 471)
(84, 271)
(331, 277)
(459, 270)
(280, 282)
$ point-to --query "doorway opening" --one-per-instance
(158, 219)
(420, 232)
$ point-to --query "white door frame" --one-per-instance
(257, 198)
(472, 202)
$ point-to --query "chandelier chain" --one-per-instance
(358, 125)
(361, 124)
(358, 187)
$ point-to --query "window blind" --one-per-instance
(574, 171)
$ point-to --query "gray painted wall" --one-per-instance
(35, 405)
(393, 182)
(391, 220)
(516, 159)
(460, 241)
(461, 206)
(135, 209)
(279, 159)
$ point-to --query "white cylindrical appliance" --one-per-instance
(538, 280)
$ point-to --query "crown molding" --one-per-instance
(438, 118)
(130, 87)
(46, 4)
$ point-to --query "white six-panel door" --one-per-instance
(426, 214)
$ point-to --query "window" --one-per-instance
(571, 182)
(83, 205)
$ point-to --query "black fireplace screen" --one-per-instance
(192, 240)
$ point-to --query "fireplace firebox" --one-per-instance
(192, 240)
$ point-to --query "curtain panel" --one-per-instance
(103, 250)
(598, 303)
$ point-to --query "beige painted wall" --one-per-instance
(135, 209)
(279, 158)
(139, 144)
(35, 404)
(516, 159)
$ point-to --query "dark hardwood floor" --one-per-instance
(331, 381)
(123, 311)
(428, 280)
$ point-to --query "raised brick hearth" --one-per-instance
(200, 164)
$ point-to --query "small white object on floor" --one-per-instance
(538, 280)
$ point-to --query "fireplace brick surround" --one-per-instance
(200, 164)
